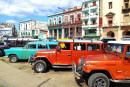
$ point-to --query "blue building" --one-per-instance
(55, 28)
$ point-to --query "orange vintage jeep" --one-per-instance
(100, 69)
(65, 52)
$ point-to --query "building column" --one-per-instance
(83, 33)
(75, 31)
(57, 33)
(48, 33)
(53, 33)
(97, 31)
(69, 32)
(63, 33)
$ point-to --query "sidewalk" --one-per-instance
(14, 77)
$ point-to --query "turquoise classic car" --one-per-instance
(18, 53)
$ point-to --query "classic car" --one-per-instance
(18, 53)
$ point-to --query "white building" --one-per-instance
(92, 20)
(32, 28)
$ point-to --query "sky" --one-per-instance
(14, 11)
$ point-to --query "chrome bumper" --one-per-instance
(76, 74)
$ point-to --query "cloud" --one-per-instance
(23, 8)
(11, 21)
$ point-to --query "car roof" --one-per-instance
(120, 42)
(86, 41)
(43, 42)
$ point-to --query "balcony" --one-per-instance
(85, 25)
(72, 22)
(94, 15)
(86, 16)
(93, 25)
(53, 25)
(85, 8)
(125, 23)
(125, 9)
(110, 25)
(93, 6)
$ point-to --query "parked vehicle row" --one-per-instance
(98, 62)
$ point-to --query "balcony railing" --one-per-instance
(94, 14)
(125, 23)
(93, 5)
(52, 25)
(72, 22)
(125, 8)
(110, 25)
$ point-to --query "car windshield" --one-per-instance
(117, 48)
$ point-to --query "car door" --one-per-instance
(64, 54)
(127, 63)
(31, 49)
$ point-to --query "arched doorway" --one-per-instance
(126, 33)
(110, 34)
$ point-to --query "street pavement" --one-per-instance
(14, 77)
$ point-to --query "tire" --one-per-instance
(1, 53)
(40, 66)
(13, 59)
(98, 80)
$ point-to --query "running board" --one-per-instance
(120, 81)
(62, 66)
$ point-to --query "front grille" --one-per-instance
(82, 62)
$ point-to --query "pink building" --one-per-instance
(72, 22)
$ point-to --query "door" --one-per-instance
(127, 63)
(31, 49)
(64, 54)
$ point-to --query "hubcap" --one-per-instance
(39, 67)
(100, 82)
(13, 59)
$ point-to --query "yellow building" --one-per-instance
(116, 20)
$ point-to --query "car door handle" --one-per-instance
(69, 55)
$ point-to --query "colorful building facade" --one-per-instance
(92, 21)
(55, 28)
(72, 22)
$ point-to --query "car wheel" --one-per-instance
(98, 80)
(0, 53)
(40, 66)
(13, 59)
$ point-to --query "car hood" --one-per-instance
(101, 59)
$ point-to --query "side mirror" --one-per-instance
(59, 48)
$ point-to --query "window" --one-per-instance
(92, 30)
(72, 17)
(94, 3)
(20, 43)
(93, 47)
(86, 5)
(32, 46)
(52, 46)
(93, 22)
(86, 22)
(128, 52)
(42, 46)
(79, 46)
(110, 5)
(65, 46)
(126, 18)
